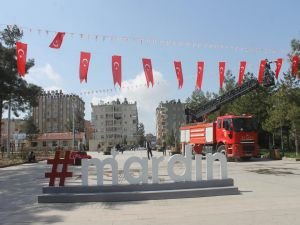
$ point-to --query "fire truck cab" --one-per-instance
(235, 136)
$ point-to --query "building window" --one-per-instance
(44, 143)
(54, 143)
(33, 144)
(65, 143)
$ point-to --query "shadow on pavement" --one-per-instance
(19, 187)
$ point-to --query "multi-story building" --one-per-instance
(114, 123)
(169, 117)
(89, 131)
(55, 112)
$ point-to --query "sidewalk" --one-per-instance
(270, 194)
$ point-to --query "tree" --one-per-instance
(294, 116)
(141, 134)
(29, 127)
(229, 84)
(170, 138)
(14, 91)
(197, 99)
(284, 107)
(78, 122)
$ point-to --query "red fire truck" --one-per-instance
(235, 136)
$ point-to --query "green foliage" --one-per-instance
(11, 35)
(198, 98)
(29, 126)
(229, 84)
(78, 122)
(276, 108)
(13, 89)
(170, 141)
(141, 134)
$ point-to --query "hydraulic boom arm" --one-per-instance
(215, 104)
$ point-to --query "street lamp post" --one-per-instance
(73, 123)
(8, 126)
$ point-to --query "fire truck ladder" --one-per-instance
(252, 84)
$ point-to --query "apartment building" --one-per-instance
(114, 123)
(54, 112)
(169, 117)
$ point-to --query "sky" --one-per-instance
(186, 31)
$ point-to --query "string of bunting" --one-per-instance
(116, 89)
(147, 40)
(85, 58)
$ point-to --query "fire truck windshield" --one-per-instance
(244, 124)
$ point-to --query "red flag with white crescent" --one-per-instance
(261, 70)
(200, 75)
(242, 72)
(278, 67)
(84, 65)
(57, 41)
(21, 58)
(148, 71)
(117, 69)
(221, 72)
(295, 61)
(179, 74)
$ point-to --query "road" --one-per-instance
(270, 194)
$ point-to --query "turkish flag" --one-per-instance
(21, 58)
(278, 67)
(221, 72)
(84, 65)
(261, 70)
(242, 72)
(179, 74)
(117, 69)
(57, 41)
(148, 71)
(199, 75)
(295, 61)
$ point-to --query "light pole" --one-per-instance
(8, 126)
(73, 123)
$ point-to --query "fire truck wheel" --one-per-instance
(222, 149)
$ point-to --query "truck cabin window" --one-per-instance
(227, 124)
(219, 123)
(244, 124)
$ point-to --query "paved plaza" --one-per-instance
(270, 194)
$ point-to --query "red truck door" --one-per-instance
(224, 130)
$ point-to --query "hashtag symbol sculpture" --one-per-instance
(64, 172)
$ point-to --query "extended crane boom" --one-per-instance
(215, 104)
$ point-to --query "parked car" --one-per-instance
(77, 156)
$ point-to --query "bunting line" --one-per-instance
(151, 41)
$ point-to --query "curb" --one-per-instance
(291, 159)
